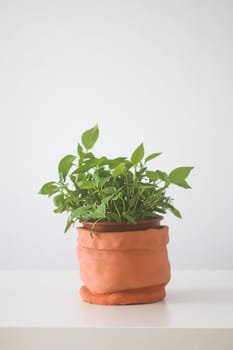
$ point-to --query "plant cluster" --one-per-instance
(91, 188)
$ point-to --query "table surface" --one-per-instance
(195, 299)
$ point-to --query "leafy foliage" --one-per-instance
(113, 190)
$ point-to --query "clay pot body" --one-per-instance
(125, 267)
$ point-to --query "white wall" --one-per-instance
(153, 71)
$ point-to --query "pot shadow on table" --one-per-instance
(137, 315)
(218, 295)
(161, 314)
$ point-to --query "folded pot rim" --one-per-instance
(122, 226)
(149, 239)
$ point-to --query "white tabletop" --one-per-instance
(50, 299)
(195, 299)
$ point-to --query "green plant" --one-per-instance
(114, 190)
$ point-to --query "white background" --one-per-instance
(153, 71)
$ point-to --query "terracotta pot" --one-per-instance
(126, 267)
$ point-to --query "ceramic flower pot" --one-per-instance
(124, 267)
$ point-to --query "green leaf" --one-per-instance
(162, 175)
(76, 213)
(106, 199)
(152, 156)
(80, 153)
(59, 200)
(88, 155)
(130, 219)
(114, 217)
(89, 137)
(79, 150)
(49, 188)
(58, 210)
(89, 164)
(144, 186)
(68, 224)
(100, 181)
(119, 169)
(64, 165)
(138, 154)
(116, 161)
(85, 185)
(176, 212)
(183, 183)
(102, 161)
(177, 176)
(99, 213)
(109, 190)
(133, 200)
(152, 175)
(160, 210)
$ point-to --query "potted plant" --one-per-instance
(119, 202)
